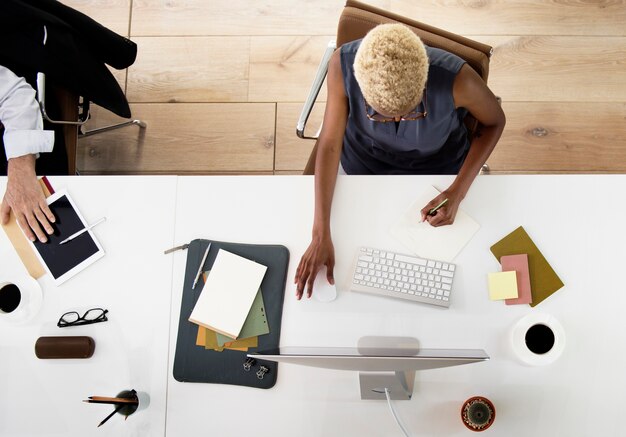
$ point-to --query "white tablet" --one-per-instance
(62, 261)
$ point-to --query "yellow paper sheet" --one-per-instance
(502, 285)
(201, 337)
(210, 341)
(243, 343)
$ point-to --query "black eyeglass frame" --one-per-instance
(411, 116)
(81, 320)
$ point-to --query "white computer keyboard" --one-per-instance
(408, 277)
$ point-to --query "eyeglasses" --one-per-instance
(72, 318)
(413, 115)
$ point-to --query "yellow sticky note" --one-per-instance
(502, 285)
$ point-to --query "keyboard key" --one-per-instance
(410, 260)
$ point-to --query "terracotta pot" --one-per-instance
(478, 413)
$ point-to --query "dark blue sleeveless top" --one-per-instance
(436, 144)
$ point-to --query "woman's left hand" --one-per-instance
(446, 214)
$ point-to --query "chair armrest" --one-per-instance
(322, 70)
(41, 99)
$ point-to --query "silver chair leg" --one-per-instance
(141, 124)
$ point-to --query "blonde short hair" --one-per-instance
(391, 67)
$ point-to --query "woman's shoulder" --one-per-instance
(350, 48)
(442, 59)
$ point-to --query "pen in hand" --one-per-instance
(434, 210)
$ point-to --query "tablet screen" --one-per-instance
(64, 260)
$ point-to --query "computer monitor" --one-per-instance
(400, 355)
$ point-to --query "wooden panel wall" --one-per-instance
(224, 81)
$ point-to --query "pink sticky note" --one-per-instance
(519, 264)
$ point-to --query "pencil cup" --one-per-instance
(142, 398)
(20, 298)
(129, 409)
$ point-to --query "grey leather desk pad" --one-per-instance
(194, 363)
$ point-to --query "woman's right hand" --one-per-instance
(320, 253)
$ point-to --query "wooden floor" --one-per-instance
(221, 84)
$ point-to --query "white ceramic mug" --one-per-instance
(553, 348)
(28, 304)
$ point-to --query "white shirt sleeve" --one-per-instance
(19, 113)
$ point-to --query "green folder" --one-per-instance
(255, 324)
(543, 279)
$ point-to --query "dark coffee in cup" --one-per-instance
(539, 339)
(10, 297)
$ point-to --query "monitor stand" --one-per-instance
(400, 384)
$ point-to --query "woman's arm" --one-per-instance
(321, 252)
(470, 92)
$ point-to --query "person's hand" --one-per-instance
(446, 214)
(320, 252)
(25, 197)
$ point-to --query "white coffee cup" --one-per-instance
(520, 339)
(20, 298)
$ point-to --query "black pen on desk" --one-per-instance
(82, 231)
(195, 281)
(118, 408)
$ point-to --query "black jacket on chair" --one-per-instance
(68, 46)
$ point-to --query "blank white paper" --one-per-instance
(441, 243)
(228, 293)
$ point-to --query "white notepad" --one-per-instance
(441, 243)
(228, 294)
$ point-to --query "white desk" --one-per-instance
(581, 394)
(132, 281)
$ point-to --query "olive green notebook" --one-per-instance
(543, 279)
